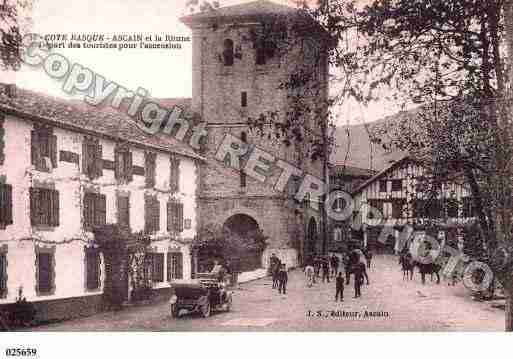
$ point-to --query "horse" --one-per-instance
(275, 268)
(429, 268)
(407, 266)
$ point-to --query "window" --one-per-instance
(435, 208)
(151, 214)
(150, 166)
(398, 208)
(228, 52)
(419, 209)
(244, 99)
(92, 163)
(243, 177)
(337, 234)
(397, 185)
(469, 209)
(5, 205)
(95, 212)
(378, 205)
(157, 267)
(123, 210)
(174, 217)
(123, 164)
(174, 181)
(45, 273)
(265, 50)
(452, 208)
(43, 149)
(383, 186)
(92, 258)
(174, 266)
(3, 271)
(44, 207)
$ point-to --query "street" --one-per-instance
(397, 306)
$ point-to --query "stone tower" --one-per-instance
(237, 70)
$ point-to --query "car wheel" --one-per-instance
(175, 311)
(229, 304)
(205, 310)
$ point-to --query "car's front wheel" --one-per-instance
(206, 310)
(229, 303)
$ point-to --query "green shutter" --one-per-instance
(34, 206)
(55, 209)
(35, 148)
(52, 139)
(99, 160)
(179, 217)
(100, 210)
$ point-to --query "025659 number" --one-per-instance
(20, 352)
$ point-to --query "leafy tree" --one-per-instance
(14, 22)
(449, 57)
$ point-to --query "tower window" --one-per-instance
(244, 99)
(243, 183)
(228, 52)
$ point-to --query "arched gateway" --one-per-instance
(245, 231)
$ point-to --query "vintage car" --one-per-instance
(204, 294)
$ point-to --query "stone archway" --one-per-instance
(243, 228)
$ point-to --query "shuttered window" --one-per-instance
(152, 214)
(3, 274)
(123, 203)
(95, 212)
(45, 280)
(43, 149)
(398, 207)
(383, 186)
(5, 205)
(469, 210)
(174, 181)
(174, 266)
(174, 217)
(92, 258)
(123, 164)
(44, 207)
(397, 185)
(157, 267)
(149, 169)
(92, 163)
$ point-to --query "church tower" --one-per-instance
(241, 56)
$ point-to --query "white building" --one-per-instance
(66, 167)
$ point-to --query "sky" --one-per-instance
(165, 73)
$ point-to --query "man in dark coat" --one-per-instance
(358, 271)
(325, 270)
(282, 279)
(334, 261)
(339, 286)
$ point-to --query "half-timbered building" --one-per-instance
(393, 199)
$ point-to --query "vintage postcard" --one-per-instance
(255, 166)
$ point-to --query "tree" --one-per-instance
(14, 23)
(449, 57)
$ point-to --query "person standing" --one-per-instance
(282, 279)
(334, 264)
(309, 272)
(339, 287)
(358, 271)
(325, 270)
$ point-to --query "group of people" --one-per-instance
(355, 262)
(279, 274)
